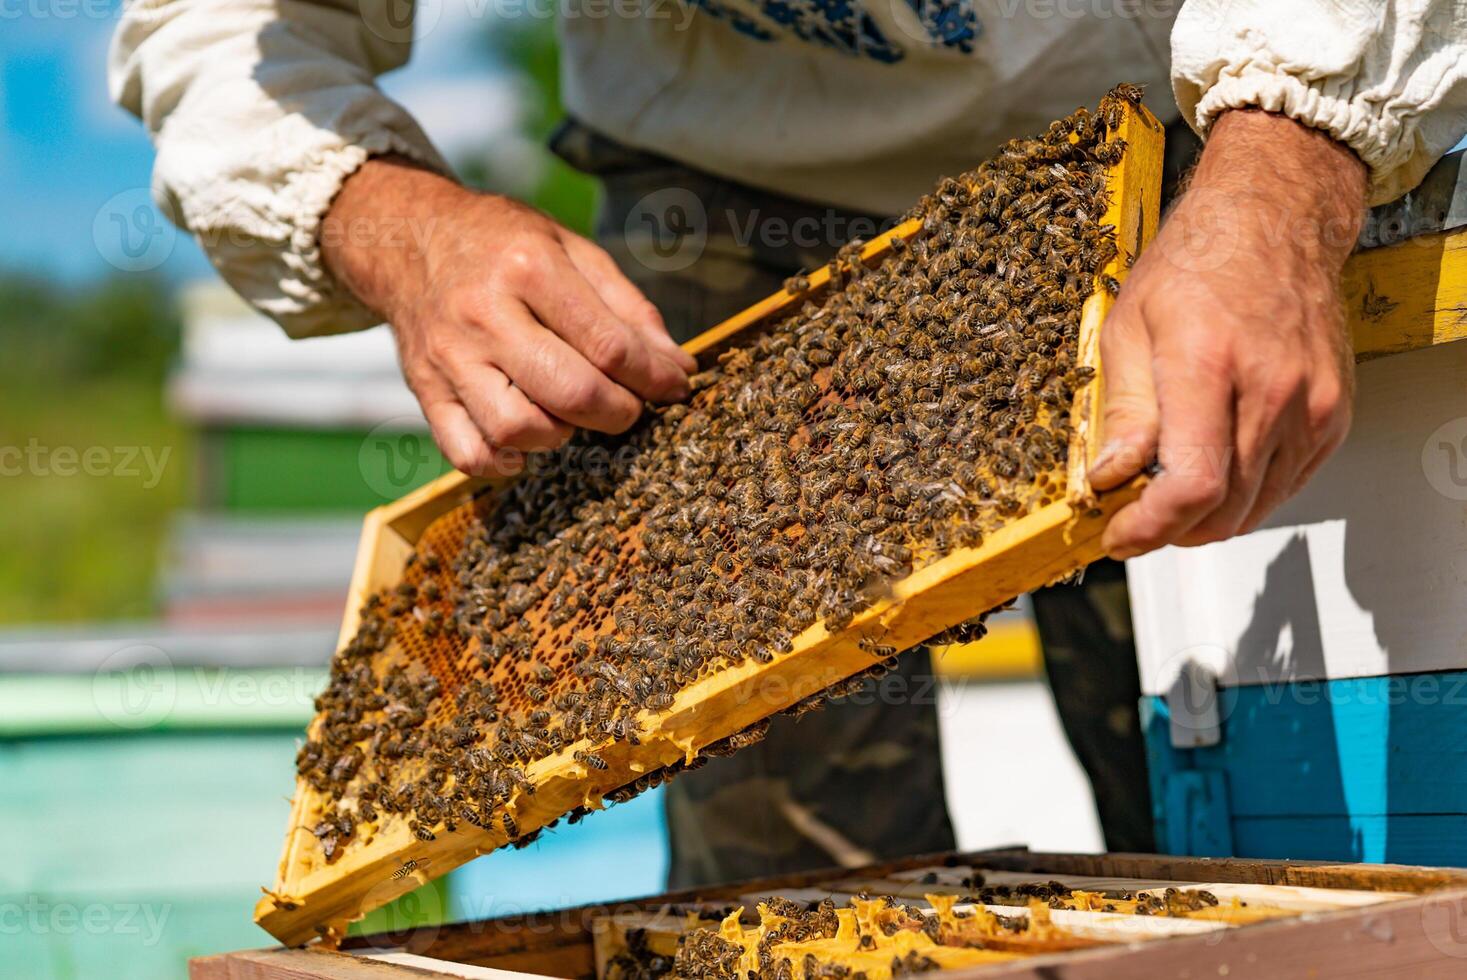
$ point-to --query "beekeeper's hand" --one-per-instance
(511, 329)
(1226, 357)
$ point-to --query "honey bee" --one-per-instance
(922, 399)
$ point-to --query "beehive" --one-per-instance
(319, 889)
(955, 916)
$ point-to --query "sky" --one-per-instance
(70, 161)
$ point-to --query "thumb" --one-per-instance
(1128, 430)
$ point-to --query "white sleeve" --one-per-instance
(1386, 77)
(260, 109)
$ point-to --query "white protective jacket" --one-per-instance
(262, 108)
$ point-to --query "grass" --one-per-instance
(81, 546)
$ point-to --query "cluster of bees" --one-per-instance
(1169, 902)
(916, 404)
(890, 938)
(709, 954)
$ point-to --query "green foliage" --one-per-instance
(527, 47)
(87, 369)
(123, 326)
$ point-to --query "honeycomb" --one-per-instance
(907, 410)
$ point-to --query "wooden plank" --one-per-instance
(912, 885)
(541, 942)
(1134, 211)
(1407, 296)
(522, 939)
(1114, 927)
(1313, 874)
(429, 965)
(1417, 939)
(299, 964)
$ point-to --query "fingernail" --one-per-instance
(1106, 455)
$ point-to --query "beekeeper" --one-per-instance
(729, 125)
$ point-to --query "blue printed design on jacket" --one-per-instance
(845, 25)
(950, 23)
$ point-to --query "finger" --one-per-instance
(1321, 455)
(1195, 402)
(463, 445)
(1330, 411)
(1264, 450)
(1291, 477)
(502, 413)
(623, 298)
(567, 305)
(555, 376)
(1129, 425)
(1277, 486)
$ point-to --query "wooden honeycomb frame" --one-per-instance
(311, 897)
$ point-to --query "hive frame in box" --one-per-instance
(1385, 921)
(311, 897)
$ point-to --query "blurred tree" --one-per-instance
(527, 46)
(87, 368)
(125, 326)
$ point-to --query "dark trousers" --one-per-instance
(862, 780)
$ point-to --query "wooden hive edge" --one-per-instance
(1134, 211)
(1407, 296)
(309, 901)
